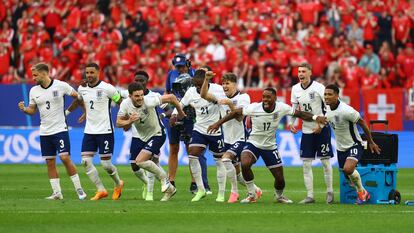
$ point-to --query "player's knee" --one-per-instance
(87, 162)
(348, 170)
(65, 159)
(134, 167)
(107, 166)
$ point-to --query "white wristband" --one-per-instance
(314, 117)
(67, 112)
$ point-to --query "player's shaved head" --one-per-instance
(40, 67)
(271, 89)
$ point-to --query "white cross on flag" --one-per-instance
(384, 105)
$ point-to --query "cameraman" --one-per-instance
(182, 131)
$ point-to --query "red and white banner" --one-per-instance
(384, 104)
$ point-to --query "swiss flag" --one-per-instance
(384, 104)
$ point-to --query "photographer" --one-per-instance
(181, 131)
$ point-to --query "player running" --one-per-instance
(344, 120)
(48, 97)
(265, 117)
(233, 130)
(96, 97)
(148, 133)
(308, 96)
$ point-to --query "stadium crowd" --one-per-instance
(354, 44)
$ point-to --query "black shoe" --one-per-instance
(193, 188)
(173, 183)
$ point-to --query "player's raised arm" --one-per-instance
(371, 144)
(30, 110)
(204, 88)
(233, 114)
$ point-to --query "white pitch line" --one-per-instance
(204, 212)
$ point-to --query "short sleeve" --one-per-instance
(244, 101)
(185, 101)
(80, 95)
(293, 99)
(124, 94)
(217, 91)
(248, 110)
(113, 93)
(321, 92)
(31, 98)
(67, 89)
(123, 109)
(352, 115)
(153, 100)
(286, 109)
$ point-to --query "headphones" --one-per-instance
(179, 57)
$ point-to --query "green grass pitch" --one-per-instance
(23, 209)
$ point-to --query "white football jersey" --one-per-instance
(233, 130)
(148, 124)
(264, 124)
(50, 102)
(97, 101)
(343, 120)
(124, 94)
(207, 113)
(310, 99)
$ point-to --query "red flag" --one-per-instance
(384, 104)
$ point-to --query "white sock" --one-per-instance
(231, 175)
(112, 171)
(55, 183)
(151, 181)
(308, 177)
(327, 171)
(142, 176)
(356, 179)
(240, 179)
(152, 167)
(221, 177)
(279, 193)
(76, 181)
(93, 173)
(196, 171)
(251, 188)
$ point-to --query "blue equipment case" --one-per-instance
(379, 180)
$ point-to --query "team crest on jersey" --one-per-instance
(235, 102)
(312, 95)
(275, 116)
(336, 119)
(99, 94)
(55, 93)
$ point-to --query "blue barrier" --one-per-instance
(23, 146)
